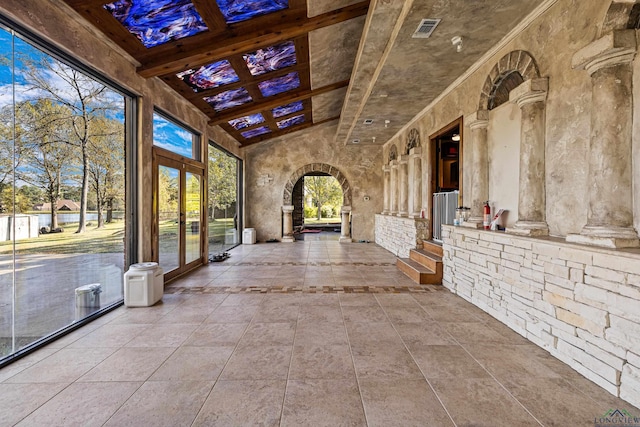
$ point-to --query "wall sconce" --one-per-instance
(457, 42)
(455, 137)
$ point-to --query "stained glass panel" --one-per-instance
(287, 109)
(279, 84)
(241, 10)
(255, 132)
(229, 99)
(155, 22)
(209, 76)
(246, 121)
(271, 58)
(291, 121)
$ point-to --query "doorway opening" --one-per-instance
(317, 198)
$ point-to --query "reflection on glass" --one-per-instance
(279, 84)
(246, 121)
(271, 58)
(175, 138)
(223, 201)
(229, 99)
(168, 218)
(291, 121)
(209, 76)
(287, 109)
(155, 22)
(192, 238)
(241, 10)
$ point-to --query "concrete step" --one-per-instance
(433, 247)
(428, 259)
(418, 272)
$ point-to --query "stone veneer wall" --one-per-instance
(399, 235)
(581, 304)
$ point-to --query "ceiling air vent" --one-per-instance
(355, 141)
(426, 28)
(367, 121)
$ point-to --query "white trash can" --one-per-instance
(249, 236)
(87, 300)
(143, 284)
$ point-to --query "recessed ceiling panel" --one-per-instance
(291, 121)
(155, 22)
(279, 84)
(255, 132)
(241, 10)
(209, 76)
(287, 109)
(271, 58)
(229, 99)
(246, 121)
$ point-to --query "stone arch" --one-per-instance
(393, 153)
(621, 15)
(318, 167)
(509, 72)
(413, 140)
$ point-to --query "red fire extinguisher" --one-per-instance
(486, 218)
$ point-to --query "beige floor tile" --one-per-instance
(109, 336)
(287, 313)
(216, 334)
(451, 314)
(320, 300)
(163, 335)
(320, 334)
(514, 361)
(416, 335)
(232, 314)
(322, 403)
(258, 363)
(376, 332)
(19, 400)
(397, 300)
(27, 361)
(471, 332)
(371, 314)
(408, 314)
(184, 314)
(263, 334)
(384, 360)
(320, 314)
(129, 364)
(321, 362)
(447, 361)
(83, 404)
(171, 404)
(403, 403)
(193, 364)
(242, 300)
(243, 403)
(481, 402)
(356, 300)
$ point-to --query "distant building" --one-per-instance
(63, 205)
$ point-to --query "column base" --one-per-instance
(416, 215)
(607, 237)
(529, 228)
(288, 239)
(402, 214)
(345, 239)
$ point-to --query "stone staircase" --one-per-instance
(424, 265)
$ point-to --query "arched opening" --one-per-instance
(317, 199)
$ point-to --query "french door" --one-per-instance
(180, 222)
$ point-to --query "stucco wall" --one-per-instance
(552, 39)
(270, 164)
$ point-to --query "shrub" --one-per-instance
(310, 212)
(326, 212)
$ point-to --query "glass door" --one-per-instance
(179, 215)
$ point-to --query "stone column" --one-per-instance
(415, 157)
(610, 216)
(287, 224)
(345, 228)
(531, 97)
(478, 123)
(393, 193)
(386, 170)
(403, 185)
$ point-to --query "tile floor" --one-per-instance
(308, 334)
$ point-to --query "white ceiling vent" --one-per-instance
(367, 121)
(426, 28)
(355, 141)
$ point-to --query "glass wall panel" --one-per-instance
(224, 206)
(62, 194)
(169, 217)
(172, 137)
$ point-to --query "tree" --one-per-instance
(222, 180)
(323, 190)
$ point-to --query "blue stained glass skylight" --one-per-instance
(246, 121)
(241, 10)
(255, 132)
(209, 76)
(229, 99)
(291, 121)
(279, 84)
(271, 58)
(155, 22)
(287, 109)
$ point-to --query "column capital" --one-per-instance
(614, 48)
(415, 152)
(478, 120)
(386, 168)
(393, 164)
(287, 208)
(345, 209)
(530, 92)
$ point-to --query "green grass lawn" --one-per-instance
(311, 221)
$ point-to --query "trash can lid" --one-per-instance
(92, 287)
(144, 266)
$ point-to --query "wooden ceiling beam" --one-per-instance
(208, 47)
(274, 102)
(293, 129)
